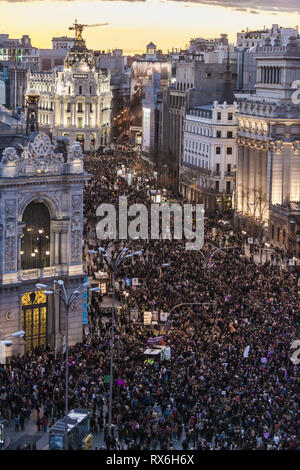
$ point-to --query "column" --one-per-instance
(86, 105)
(239, 177)
(61, 118)
(251, 201)
(71, 113)
(258, 183)
(246, 179)
(74, 113)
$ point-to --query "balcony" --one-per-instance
(30, 274)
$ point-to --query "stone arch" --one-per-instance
(36, 236)
(50, 202)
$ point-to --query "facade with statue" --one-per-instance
(75, 99)
(41, 207)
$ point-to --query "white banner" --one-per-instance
(147, 318)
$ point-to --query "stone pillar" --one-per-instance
(61, 117)
(246, 179)
(239, 177)
(10, 240)
(251, 201)
(73, 122)
(20, 232)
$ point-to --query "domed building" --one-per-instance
(75, 99)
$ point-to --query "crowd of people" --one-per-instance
(230, 382)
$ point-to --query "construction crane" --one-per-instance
(79, 28)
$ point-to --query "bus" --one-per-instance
(79, 436)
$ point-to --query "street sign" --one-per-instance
(250, 241)
(106, 379)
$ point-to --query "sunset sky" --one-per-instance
(133, 24)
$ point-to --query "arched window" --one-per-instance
(35, 240)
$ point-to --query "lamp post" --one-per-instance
(244, 234)
(113, 264)
(61, 292)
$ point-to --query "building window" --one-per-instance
(219, 116)
(229, 135)
(229, 151)
(218, 167)
(272, 232)
(217, 185)
(228, 188)
(278, 234)
(230, 116)
(69, 90)
(218, 135)
(218, 150)
(90, 89)
(228, 168)
(79, 107)
(80, 90)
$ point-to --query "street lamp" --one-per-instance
(7, 342)
(243, 240)
(113, 264)
(48, 290)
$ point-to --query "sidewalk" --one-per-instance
(28, 436)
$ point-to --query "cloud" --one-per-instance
(274, 7)
(253, 6)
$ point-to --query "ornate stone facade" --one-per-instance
(75, 100)
(41, 176)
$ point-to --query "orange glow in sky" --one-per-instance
(132, 24)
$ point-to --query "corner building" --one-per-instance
(75, 100)
(41, 207)
(268, 173)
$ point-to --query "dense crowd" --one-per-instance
(230, 382)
